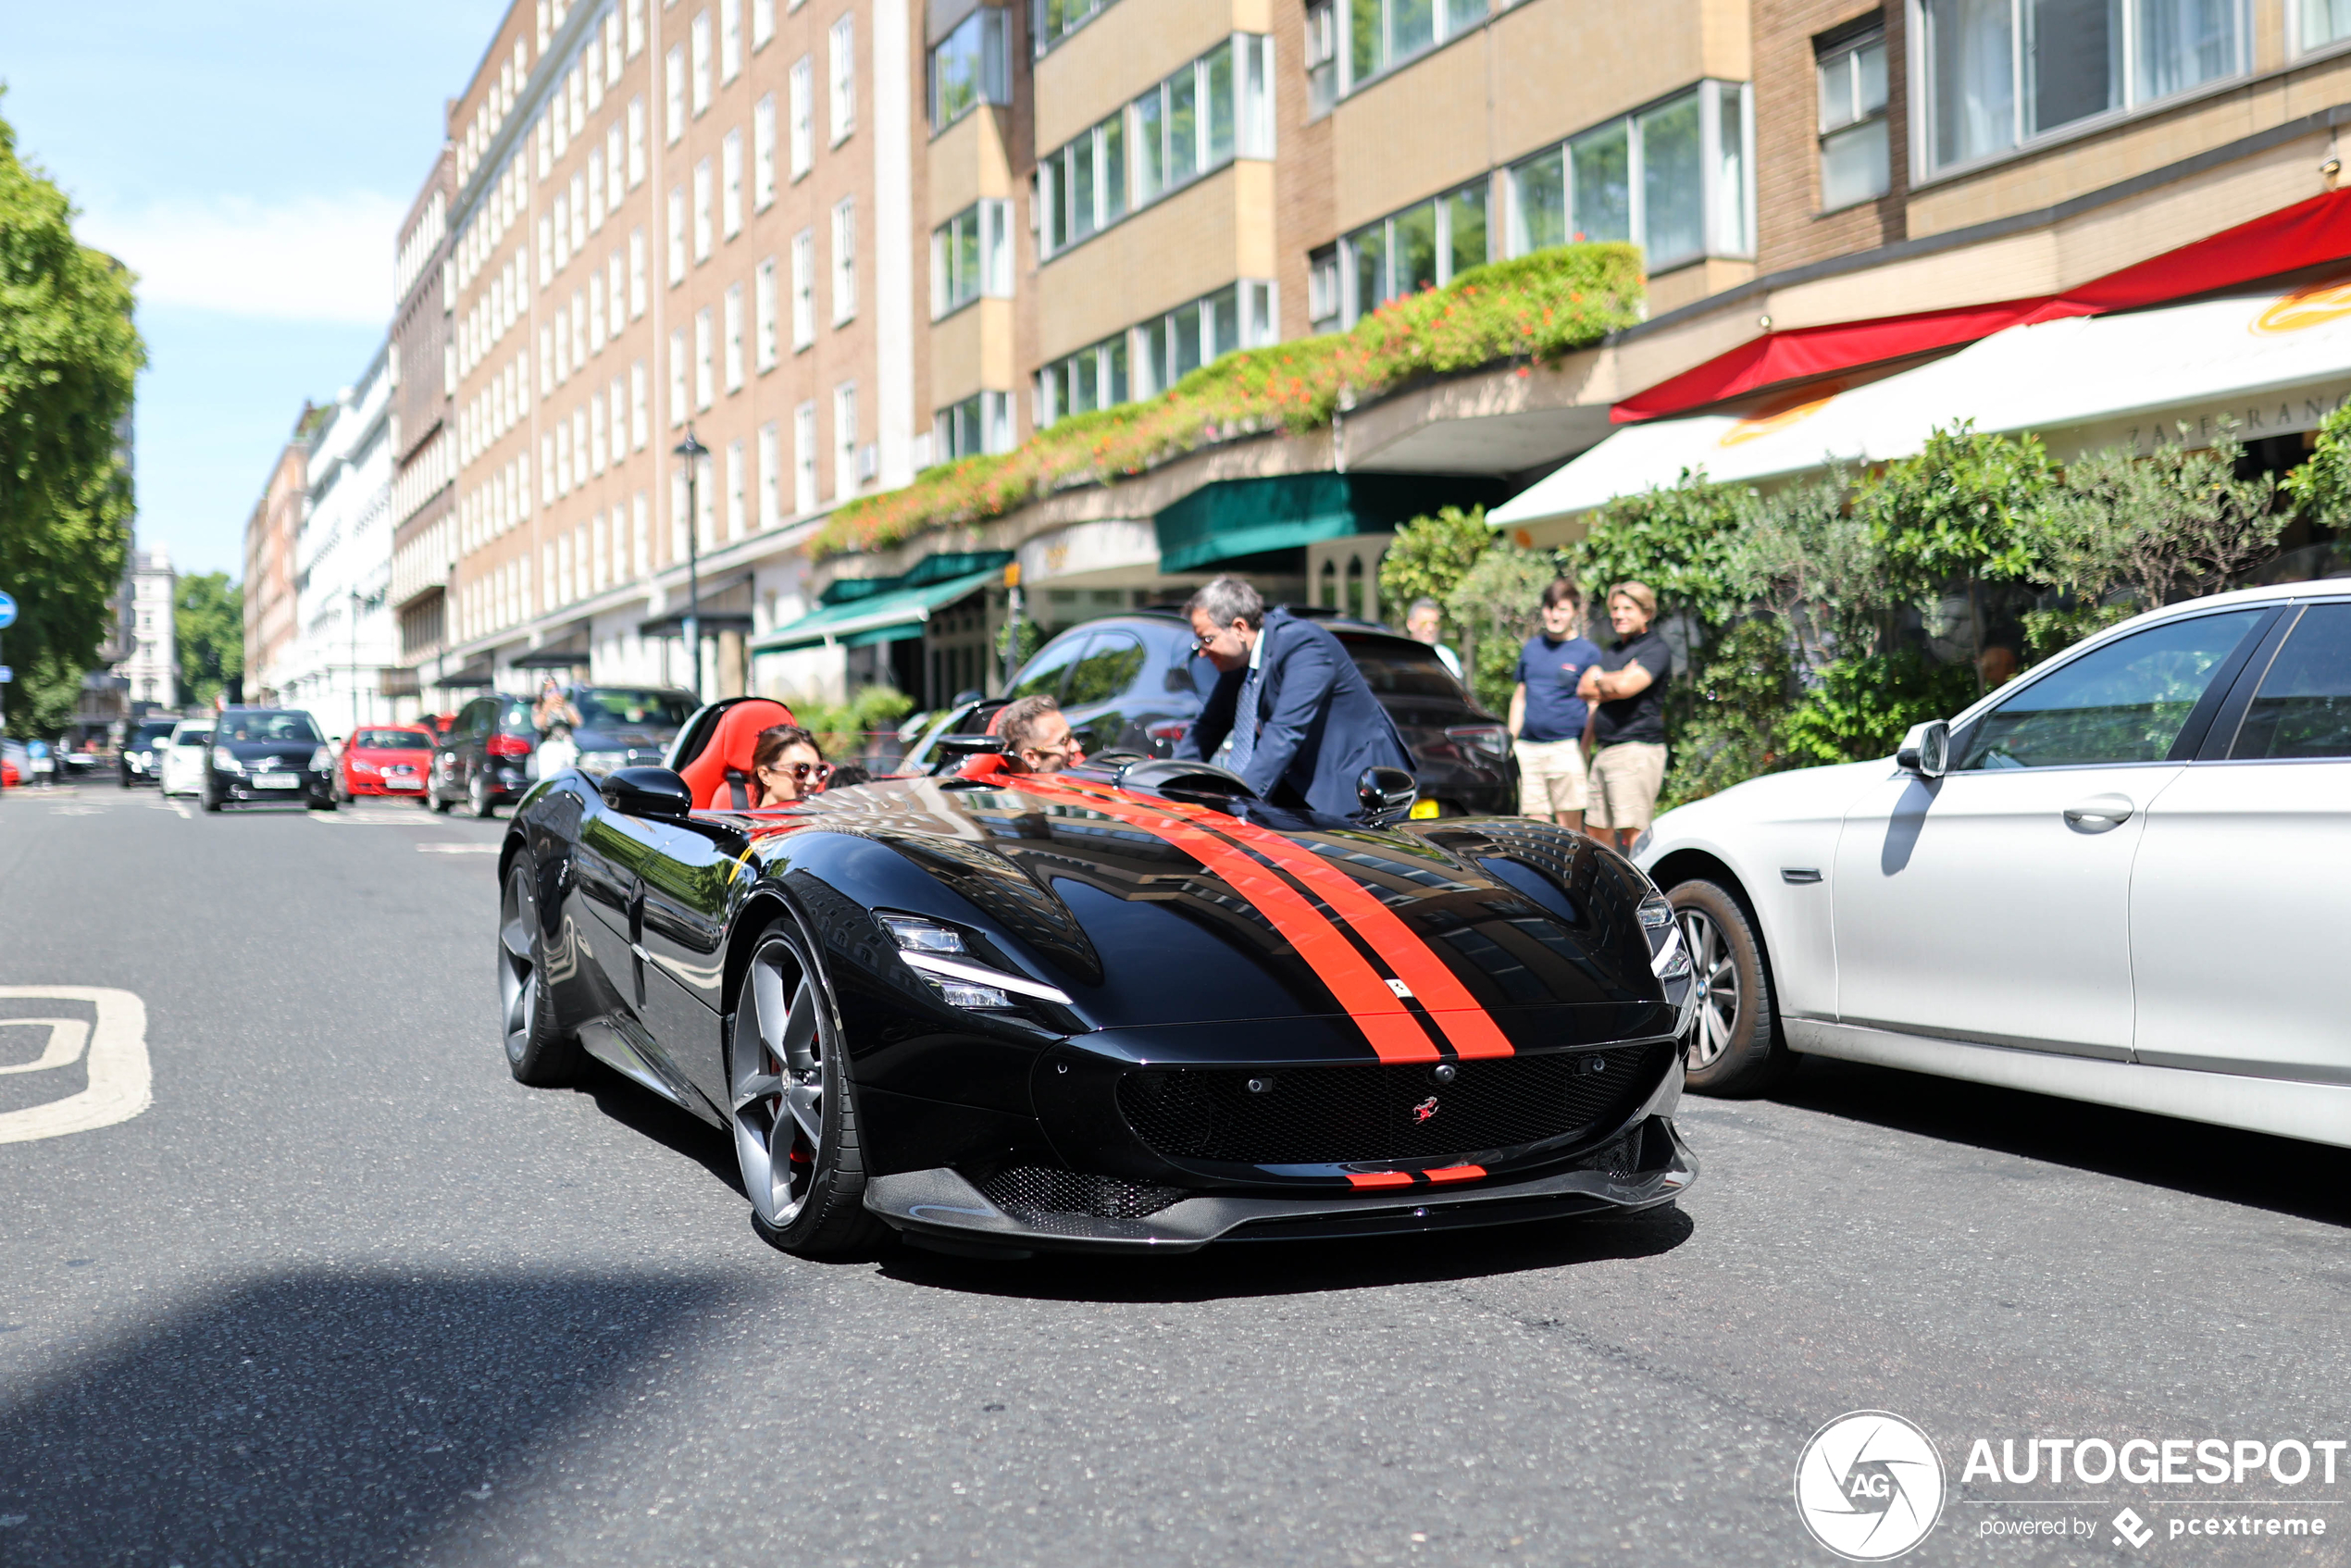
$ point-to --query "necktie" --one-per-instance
(1245, 724)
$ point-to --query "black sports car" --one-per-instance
(1127, 1007)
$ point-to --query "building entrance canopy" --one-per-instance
(887, 616)
(2272, 363)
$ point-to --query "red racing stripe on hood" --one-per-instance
(1471, 1029)
(1394, 1034)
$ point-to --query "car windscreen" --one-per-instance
(1393, 668)
(392, 740)
(602, 707)
(264, 725)
(152, 734)
(191, 737)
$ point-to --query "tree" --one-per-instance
(208, 623)
(2159, 528)
(1430, 556)
(1964, 509)
(1807, 557)
(2320, 487)
(1679, 542)
(70, 358)
(1497, 605)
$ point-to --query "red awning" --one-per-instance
(2303, 235)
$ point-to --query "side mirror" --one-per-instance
(970, 745)
(646, 791)
(1385, 794)
(1927, 750)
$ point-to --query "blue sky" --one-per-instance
(252, 162)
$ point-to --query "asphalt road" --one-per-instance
(345, 1294)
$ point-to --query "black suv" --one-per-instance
(486, 758)
(1131, 682)
(262, 754)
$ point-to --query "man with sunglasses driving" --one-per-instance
(1037, 737)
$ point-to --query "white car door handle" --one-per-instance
(2099, 812)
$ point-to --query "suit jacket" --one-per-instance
(1318, 724)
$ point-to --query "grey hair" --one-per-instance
(1423, 602)
(1227, 599)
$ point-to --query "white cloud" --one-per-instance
(320, 258)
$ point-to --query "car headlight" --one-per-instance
(935, 951)
(1669, 960)
(1641, 845)
(602, 762)
(370, 769)
(1491, 739)
(322, 760)
(226, 760)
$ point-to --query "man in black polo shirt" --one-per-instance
(1626, 690)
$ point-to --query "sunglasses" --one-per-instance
(802, 772)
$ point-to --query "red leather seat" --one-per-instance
(721, 777)
(982, 764)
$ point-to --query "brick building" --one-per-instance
(270, 535)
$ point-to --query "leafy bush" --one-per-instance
(1678, 541)
(1430, 556)
(1864, 707)
(1497, 605)
(1538, 307)
(844, 730)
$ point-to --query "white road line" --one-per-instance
(120, 1079)
(447, 848)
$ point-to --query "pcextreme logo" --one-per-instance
(1869, 1486)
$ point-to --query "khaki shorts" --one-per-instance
(1551, 776)
(1626, 779)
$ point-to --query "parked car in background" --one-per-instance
(77, 762)
(436, 724)
(2120, 877)
(15, 763)
(266, 754)
(384, 760)
(1131, 682)
(181, 757)
(626, 726)
(484, 760)
(142, 758)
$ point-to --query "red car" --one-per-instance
(384, 762)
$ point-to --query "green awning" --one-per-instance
(1237, 517)
(889, 616)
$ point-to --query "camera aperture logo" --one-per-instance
(1869, 1486)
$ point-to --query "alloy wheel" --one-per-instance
(517, 965)
(777, 1072)
(1717, 975)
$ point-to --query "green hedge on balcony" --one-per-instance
(1536, 307)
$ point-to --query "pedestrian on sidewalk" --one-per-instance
(1626, 690)
(1547, 715)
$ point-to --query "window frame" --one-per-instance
(992, 73)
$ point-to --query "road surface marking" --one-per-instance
(121, 1080)
(458, 849)
(67, 1037)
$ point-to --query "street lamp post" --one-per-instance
(693, 451)
(354, 661)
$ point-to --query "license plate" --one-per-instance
(277, 780)
(400, 782)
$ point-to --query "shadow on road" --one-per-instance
(320, 1416)
(649, 1115)
(2309, 1180)
(1300, 1268)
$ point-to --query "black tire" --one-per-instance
(828, 1215)
(1736, 1047)
(479, 799)
(434, 801)
(540, 1052)
(326, 805)
(211, 799)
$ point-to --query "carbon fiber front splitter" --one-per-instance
(941, 1209)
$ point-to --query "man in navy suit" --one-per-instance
(1290, 708)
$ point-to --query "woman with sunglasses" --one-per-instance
(787, 766)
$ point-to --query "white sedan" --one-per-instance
(181, 770)
(2123, 877)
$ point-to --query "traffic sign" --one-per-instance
(7, 612)
(7, 675)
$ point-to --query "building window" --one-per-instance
(1052, 20)
(636, 27)
(1093, 378)
(763, 153)
(1853, 142)
(1383, 34)
(705, 359)
(763, 314)
(1321, 291)
(738, 494)
(735, 338)
(803, 443)
(1082, 187)
(802, 133)
(981, 423)
(845, 261)
(701, 36)
(674, 84)
(679, 408)
(640, 413)
(968, 68)
(771, 475)
(844, 438)
(1322, 58)
(730, 184)
(677, 235)
(731, 39)
(704, 226)
(638, 289)
(803, 289)
(2001, 73)
(971, 255)
(1673, 179)
(1422, 247)
(762, 23)
(636, 142)
(841, 56)
(1170, 347)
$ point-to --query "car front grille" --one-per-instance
(1379, 1112)
(1037, 1192)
